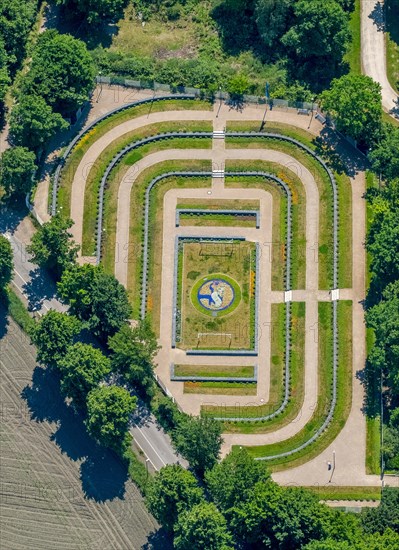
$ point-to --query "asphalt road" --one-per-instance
(40, 292)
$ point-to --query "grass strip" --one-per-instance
(221, 388)
(392, 42)
(352, 56)
(344, 393)
(216, 204)
(335, 492)
(214, 371)
(17, 310)
(215, 219)
(83, 145)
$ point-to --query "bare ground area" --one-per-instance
(58, 488)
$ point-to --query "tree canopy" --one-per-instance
(6, 262)
(95, 11)
(172, 490)
(52, 247)
(53, 336)
(134, 350)
(96, 298)
(354, 101)
(17, 167)
(61, 72)
(317, 40)
(231, 480)
(82, 369)
(272, 17)
(202, 527)
(199, 440)
(384, 156)
(108, 412)
(33, 122)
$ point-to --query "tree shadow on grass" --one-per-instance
(102, 473)
(340, 154)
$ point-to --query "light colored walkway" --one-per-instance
(373, 50)
(94, 153)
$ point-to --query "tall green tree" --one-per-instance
(354, 101)
(82, 369)
(108, 412)
(318, 40)
(16, 19)
(17, 167)
(172, 490)
(51, 246)
(95, 11)
(199, 440)
(61, 71)
(33, 123)
(4, 75)
(386, 515)
(202, 527)
(96, 298)
(272, 17)
(6, 262)
(384, 156)
(133, 352)
(231, 480)
(53, 336)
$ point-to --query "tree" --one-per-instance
(282, 518)
(82, 368)
(238, 85)
(234, 477)
(384, 156)
(387, 541)
(6, 262)
(386, 515)
(33, 122)
(61, 72)
(4, 76)
(172, 490)
(199, 440)
(272, 18)
(202, 527)
(354, 101)
(52, 247)
(17, 167)
(134, 350)
(96, 298)
(108, 412)
(391, 441)
(317, 40)
(54, 335)
(16, 19)
(95, 11)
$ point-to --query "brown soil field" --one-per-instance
(58, 488)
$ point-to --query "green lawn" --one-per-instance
(221, 388)
(214, 371)
(215, 219)
(335, 492)
(353, 57)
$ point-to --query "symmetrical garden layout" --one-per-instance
(237, 244)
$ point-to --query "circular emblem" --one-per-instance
(216, 293)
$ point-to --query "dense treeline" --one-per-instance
(239, 506)
(298, 45)
(59, 80)
(16, 20)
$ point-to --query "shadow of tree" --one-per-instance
(3, 315)
(378, 16)
(340, 155)
(159, 540)
(38, 289)
(102, 473)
